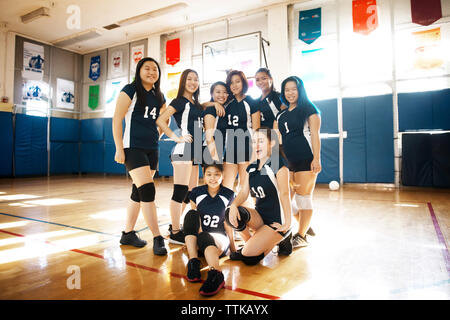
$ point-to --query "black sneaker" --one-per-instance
(310, 232)
(193, 272)
(298, 241)
(132, 239)
(177, 238)
(213, 283)
(159, 247)
(285, 245)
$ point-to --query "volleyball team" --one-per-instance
(271, 145)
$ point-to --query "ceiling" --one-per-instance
(95, 14)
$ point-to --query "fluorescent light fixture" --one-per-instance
(153, 14)
(82, 36)
(33, 15)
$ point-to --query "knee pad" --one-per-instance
(135, 194)
(147, 192)
(242, 223)
(186, 199)
(304, 202)
(191, 223)
(253, 260)
(204, 240)
(179, 192)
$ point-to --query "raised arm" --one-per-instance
(163, 123)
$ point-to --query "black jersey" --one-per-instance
(269, 107)
(221, 124)
(212, 209)
(264, 187)
(187, 116)
(239, 114)
(140, 121)
(296, 136)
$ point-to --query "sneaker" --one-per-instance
(131, 238)
(213, 283)
(285, 246)
(177, 238)
(310, 232)
(237, 255)
(298, 241)
(193, 272)
(159, 247)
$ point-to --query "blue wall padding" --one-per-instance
(329, 154)
(379, 139)
(164, 164)
(6, 144)
(107, 130)
(30, 145)
(417, 160)
(91, 159)
(354, 118)
(92, 130)
(424, 110)
(441, 109)
(329, 115)
(441, 160)
(64, 157)
(109, 164)
(62, 129)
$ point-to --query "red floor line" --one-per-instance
(440, 237)
(172, 274)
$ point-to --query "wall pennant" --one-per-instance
(94, 69)
(365, 16)
(173, 51)
(425, 12)
(310, 25)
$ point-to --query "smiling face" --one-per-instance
(291, 92)
(262, 145)
(236, 85)
(220, 94)
(149, 73)
(263, 81)
(191, 82)
(213, 177)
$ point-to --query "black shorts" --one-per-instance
(135, 158)
(301, 165)
(187, 152)
(238, 150)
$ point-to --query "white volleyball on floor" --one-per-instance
(334, 185)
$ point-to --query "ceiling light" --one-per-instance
(153, 14)
(33, 15)
(82, 36)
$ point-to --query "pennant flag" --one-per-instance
(365, 16)
(173, 80)
(310, 25)
(94, 69)
(173, 51)
(94, 93)
(425, 12)
(33, 61)
(428, 52)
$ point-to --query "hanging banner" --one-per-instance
(116, 63)
(137, 53)
(94, 69)
(65, 94)
(94, 94)
(310, 25)
(428, 53)
(33, 61)
(365, 16)
(173, 51)
(425, 12)
(173, 80)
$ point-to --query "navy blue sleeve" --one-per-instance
(163, 98)
(178, 104)
(252, 166)
(130, 90)
(276, 99)
(193, 194)
(211, 111)
(311, 109)
(254, 105)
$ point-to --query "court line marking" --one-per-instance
(440, 237)
(139, 266)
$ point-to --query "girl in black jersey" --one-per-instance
(215, 122)
(269, 103)
(140, 103)
(299, 126)
(268, 182)
(242, 118)
(206, 233)
(187, 154)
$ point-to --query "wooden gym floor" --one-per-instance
(373, 242)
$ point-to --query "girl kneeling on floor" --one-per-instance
(205, 231)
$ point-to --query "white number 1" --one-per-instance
(287, 129)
